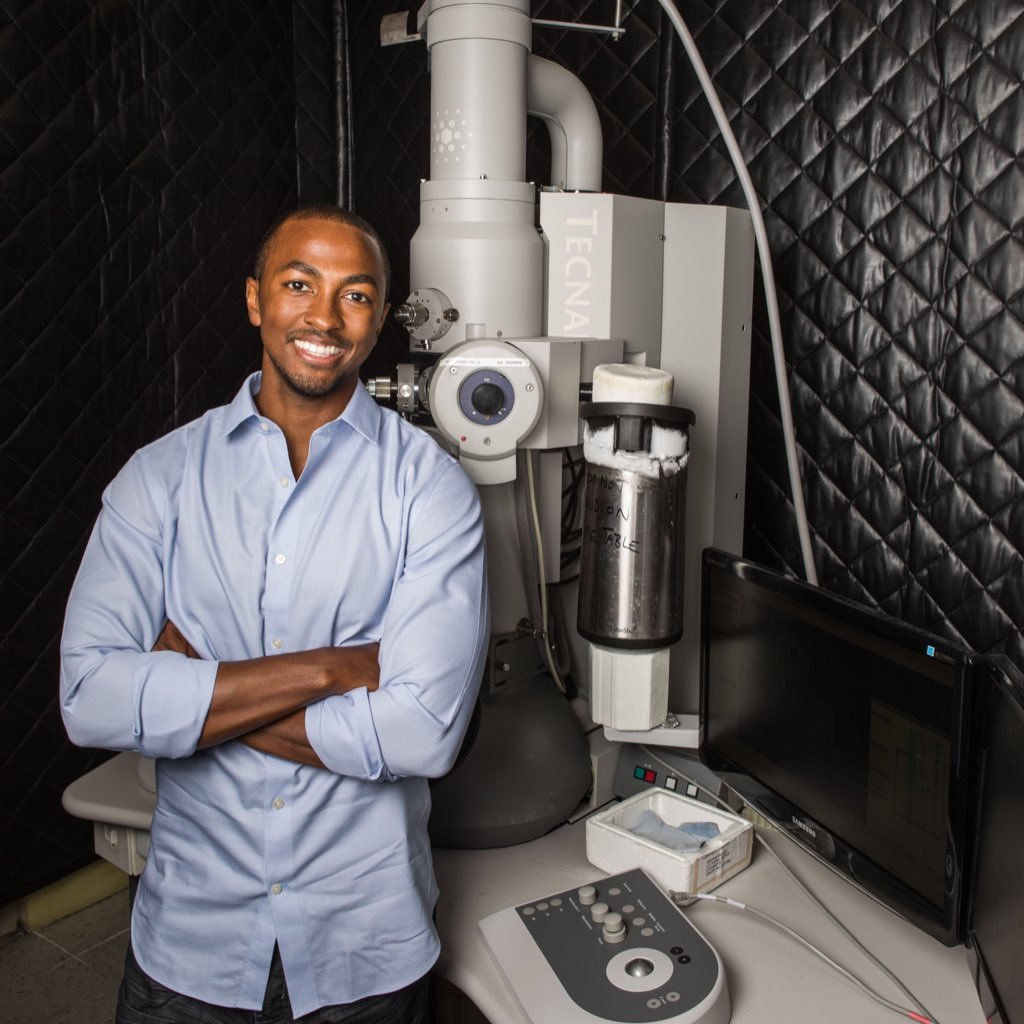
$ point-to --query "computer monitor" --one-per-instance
(846, 728)
(996, 902)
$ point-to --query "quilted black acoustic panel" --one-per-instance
(885, 140)
(145, 146)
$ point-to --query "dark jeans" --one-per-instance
(141, 1000)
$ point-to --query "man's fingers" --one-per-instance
(172, 639)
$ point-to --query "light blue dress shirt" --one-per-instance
(380, 539)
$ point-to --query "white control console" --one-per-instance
(615, 950)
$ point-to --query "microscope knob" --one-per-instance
(411, 314)
(598, 910)
(487, 399)
(614, 929)
(587, 895)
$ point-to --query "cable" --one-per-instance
(886, 970)
(685, 897)
(549, 654)
(768, 274)
(570, 505)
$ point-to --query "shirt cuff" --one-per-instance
(171, 697)
(340, 730)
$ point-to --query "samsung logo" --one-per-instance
(804, 827)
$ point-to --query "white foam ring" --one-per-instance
(669, 451)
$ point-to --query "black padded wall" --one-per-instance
(146, 145)
(885, 139)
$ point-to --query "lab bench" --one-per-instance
(771, 978)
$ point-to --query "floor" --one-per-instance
(68, 972)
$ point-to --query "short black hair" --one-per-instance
(339, 215)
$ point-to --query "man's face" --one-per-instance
(319, 306)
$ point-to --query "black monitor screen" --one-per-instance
(842, 726)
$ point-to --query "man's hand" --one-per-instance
(172, 639)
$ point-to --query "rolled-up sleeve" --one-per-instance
(114, 691)
(432, 650)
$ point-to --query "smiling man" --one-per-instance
(284, 603)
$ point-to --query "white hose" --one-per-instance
(774, 320)
(549, 654)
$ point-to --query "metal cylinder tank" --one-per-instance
(631, 575)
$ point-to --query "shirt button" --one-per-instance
(277, 888)
(276, 643)
(283, 481)
(278, 804)
(280, 559)
(265, 427)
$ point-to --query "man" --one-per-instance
(284, 603)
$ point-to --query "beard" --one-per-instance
(308, 385)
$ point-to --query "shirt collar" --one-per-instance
(362, 413)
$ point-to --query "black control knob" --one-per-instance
(487, 399)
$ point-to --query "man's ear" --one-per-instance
(252, 300)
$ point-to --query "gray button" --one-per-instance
(277, 888)
(278, 804)
(276, 643)
(283, 481)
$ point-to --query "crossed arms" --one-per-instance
(132, 681)
(262, 702)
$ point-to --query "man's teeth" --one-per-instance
(317, 350)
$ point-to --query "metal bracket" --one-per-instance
(406, 389)
(394, 29)
(616, 31)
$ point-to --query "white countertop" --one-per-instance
(771, 978)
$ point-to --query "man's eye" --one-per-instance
(296, 286)
(358, 297)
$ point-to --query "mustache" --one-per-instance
(322, 337)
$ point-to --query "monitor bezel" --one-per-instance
(946, 923)
(998, 731)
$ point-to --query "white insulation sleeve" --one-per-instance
(669, 449)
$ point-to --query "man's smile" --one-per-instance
(319, 349)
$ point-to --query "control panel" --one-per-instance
(637, 771)
(615, 950)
